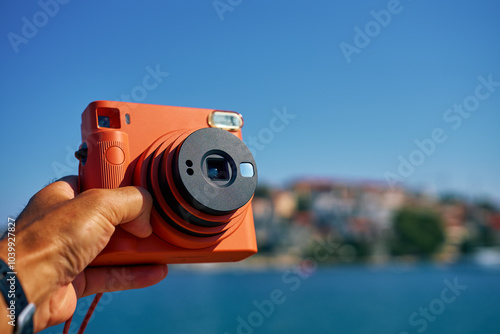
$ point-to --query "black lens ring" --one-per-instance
(213, 198)
(162, 213)
(172, 202)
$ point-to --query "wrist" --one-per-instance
(19, 311)
(32, 273)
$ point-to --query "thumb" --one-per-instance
(127, 206)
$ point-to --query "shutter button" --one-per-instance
(115, 155)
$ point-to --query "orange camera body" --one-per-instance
(200, 173)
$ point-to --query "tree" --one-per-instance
(263, 191)
(417, 232)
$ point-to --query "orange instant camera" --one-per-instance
(193, 162)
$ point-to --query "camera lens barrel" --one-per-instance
(201, 181)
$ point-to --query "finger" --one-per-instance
(62, 190)
(48, 198)
(72, 181)
(56, 309)
(107, 279)
(130, 206)
(78, 230)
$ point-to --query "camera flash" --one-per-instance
(226, 120)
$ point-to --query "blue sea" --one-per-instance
(393, 299)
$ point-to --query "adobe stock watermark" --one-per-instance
(280, 120)
(363, 37)
(452, 117)
(223, 6)
(30, 26)
(150, 81)
(421, 318)
(291, 281)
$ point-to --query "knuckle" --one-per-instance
(100, 201)
(96, 195)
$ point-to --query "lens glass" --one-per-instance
(218, 169)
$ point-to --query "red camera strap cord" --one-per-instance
(87, 316)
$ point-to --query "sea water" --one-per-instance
(390, 299)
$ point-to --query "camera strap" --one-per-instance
(86, 320)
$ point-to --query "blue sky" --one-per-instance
(351, 120)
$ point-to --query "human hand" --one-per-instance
(60, 232)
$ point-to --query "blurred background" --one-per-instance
(374, 125)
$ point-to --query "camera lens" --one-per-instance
(213, 173)
(200, 184)
(217, 169)
(216, 185)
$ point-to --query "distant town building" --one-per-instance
(360, 213)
